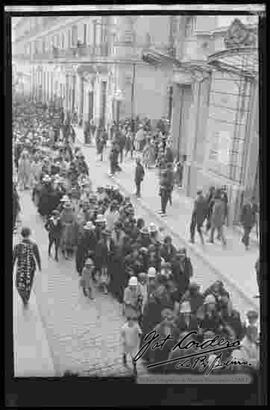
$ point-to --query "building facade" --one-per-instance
(93, 64)
(215, 107)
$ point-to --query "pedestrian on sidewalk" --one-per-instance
(198, 216)
(139, 176)
(27, 255)
(16, 206)
(129, 145)
(210, 204)
(248, 219)
(86, 281)
(164, 191)
(54, 228)
(86, 132)
(218, 218)
(170, 179)
(113, 158)
(178, 174)
(131, 337)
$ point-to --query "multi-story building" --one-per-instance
(93, 64)
(215, 104)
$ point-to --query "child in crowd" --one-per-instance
(131, 334)
(86, 280)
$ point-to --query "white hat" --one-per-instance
(153, 227)
(210, 299)
(64, 198)
(89, 262)
(133, 281)
(89, 225)
(185, 307)
(100, 218)
(151, 272)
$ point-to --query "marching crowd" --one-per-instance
(114, 250)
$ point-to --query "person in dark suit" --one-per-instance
(198, 216)
(248, 219)
(54, 228)
(103, 256)
(139, 175)
(168, 250)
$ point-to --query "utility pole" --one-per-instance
(132, 96)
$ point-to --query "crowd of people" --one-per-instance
(114, 250)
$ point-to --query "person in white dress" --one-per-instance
(131, 337)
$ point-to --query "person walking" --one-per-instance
(131, 336)
(198, 216)
(139, 176)
(54, 228)
(218, 218)
(248, 219)
(27, 255)
(86, 280)
(164, 191)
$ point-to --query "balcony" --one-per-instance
(80, 52)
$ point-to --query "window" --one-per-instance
(84, 33)
(69, 38)
(94, 33)
(190, 26)
(74, 35)
(62, 40)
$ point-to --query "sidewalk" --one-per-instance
(234, 264)
(32, 356)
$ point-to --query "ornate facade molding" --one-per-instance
(238, 35)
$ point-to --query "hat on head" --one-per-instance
(252, 314)
(67, 205)
(151, 272)
(194, 285)
(89, 226)
(55, 213)
(167, 313)
(133, 281)
(144, 231)
(209, 299)
(64, 198)
(142, 275)
(152, 227)
(182, 251)
(89, 262)
(143, 249)
(46, 178)
(100, 219)
(185, 307)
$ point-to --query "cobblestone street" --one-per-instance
(84, 335)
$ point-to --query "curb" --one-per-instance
(200, 255)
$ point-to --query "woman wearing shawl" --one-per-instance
(26, 253)
(68, 237)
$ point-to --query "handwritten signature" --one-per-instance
(199, 358)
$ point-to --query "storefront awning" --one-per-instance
(240, 60)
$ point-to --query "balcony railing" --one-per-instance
(74, 52)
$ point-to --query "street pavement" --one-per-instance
(84, 335)
(233, 265)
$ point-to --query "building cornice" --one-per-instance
(50, 30)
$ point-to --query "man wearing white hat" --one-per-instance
(132, 299)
